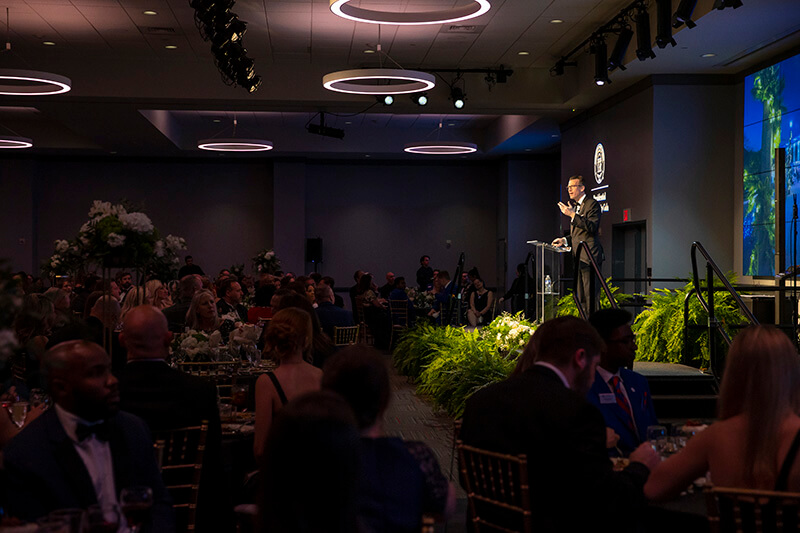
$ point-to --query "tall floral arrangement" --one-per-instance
(68, 259)
(266, 261)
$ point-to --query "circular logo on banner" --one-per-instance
(599, 163)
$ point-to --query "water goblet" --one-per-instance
(239, 396)
(19, 410)
(657, 436)
(136, 503)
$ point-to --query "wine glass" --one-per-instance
(19, 410)
(657, 436)
(239, 396)
(102, 519)
(136, 503)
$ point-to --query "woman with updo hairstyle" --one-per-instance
(287, 341)
(756, 440)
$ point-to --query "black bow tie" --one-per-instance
(100, 431)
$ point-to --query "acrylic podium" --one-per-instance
(547, 276)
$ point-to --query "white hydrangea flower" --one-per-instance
(87, 227)
(100, 209)
(55, 261)
(158, 249)
(118, 210)
(138, 222)
(175, 243)
(215, 339)
(61, 245)
(269, 254)
(115, 240)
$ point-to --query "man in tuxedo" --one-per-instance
(622, 395)
(85, 450)
(330, 316)
(166, 399)
(584, 213)
(543, 413)
(230, 302)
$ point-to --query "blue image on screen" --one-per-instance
(771, 120)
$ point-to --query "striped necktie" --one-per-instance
(616, 384)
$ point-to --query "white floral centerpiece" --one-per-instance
(165, 262)
(510, 333)
(68, 258)
(266, 261)
(114, 237)
(196, 346)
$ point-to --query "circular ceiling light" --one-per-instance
(32, 83)
(235, 145)
(379, 81)
(15, 142)
(441, 148)
(476, 8)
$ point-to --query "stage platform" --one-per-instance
(680, 392)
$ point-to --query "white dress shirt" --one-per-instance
(555, 369)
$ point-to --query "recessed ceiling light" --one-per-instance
(556, 21)
(171, 47)
(523, 53)
(527, 149)
(369, 51)
(451, 124)
(150, 12)
(367, 155)
(48, 43)
(216, 120)
(554, 135)
(347, 123)
(708, 55)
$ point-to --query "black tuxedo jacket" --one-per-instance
(45, 473)
(166, 398)
(572, 485)
(584, 227)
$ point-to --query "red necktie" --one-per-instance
(616, 384)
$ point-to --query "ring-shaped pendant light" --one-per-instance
(32, 83)
(474, 9)
(346, 81)
(441, 148)
(235, 145)
(15, 142)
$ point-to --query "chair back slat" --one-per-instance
(180, 452)
(345, 335)
(747, 510)
(497, 489)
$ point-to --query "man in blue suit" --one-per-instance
(330, 316)
(622, 395)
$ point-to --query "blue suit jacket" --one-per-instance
(641, 404)
(45, 473)
(331, 316)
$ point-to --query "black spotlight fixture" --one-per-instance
(420, 99)
(664, 23)
(644, 44)
(600, 62)
(458, 97)
(617, 56)
(558, 68)
(683, 15)
(722, 4)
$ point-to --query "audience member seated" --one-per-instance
(60, 300)
(176, 314)
(481, 302)
(543, 413)
(399, 293)
(158, 294)
(230, 301)
(125, 282)
(385, 289)
(190, 268)
(328, 314)
(202, 313)
(311, 468)
(102, 287)
(84, 451)
(288, 341)
(208, 285)
(622, 395)
(338, 301)
(400, 480)
(354, 290)
(105, 317)
(264, 290)
(517, 290)
(321, 345)
(167, 399)
(135, 297)
(443, 304)
(83, 288)
(755, 443)
(376, 312)
(32, 327)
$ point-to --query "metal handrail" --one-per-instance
(595, 271)
(708, 304)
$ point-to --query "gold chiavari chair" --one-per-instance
(345, 335)
(756, 511)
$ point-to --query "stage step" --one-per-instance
(680, 392)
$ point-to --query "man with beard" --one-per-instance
(543, 413)
(84, 451)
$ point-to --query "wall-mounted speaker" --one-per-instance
(314, 250)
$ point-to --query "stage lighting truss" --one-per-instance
(32, 83)
(441, 148)
(7, 142)
(379, 81)
(474, 9)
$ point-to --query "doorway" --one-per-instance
(629, 256)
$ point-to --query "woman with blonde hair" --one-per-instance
(158, 294)
(288, 340)
(202, 313)
(135, 297)
(755, 442)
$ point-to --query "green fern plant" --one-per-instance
(566, 304)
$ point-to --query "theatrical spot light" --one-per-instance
(617, 56)
(600, 62)
(420, 99)
(558, 68)
(458, 97)
(387, 99)
(683, 15)
(722, 4)
(664, 23)
(644, 45)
